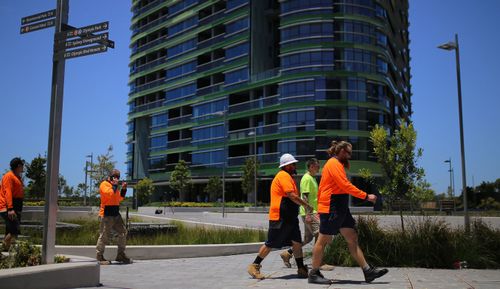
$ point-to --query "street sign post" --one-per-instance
(38, 17)
(94, 49)
(38, 26)
(83, 30)
(63, 31)
(99, 38)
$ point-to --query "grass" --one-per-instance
(428, 243)
(88, 234)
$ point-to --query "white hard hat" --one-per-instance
(287, 159)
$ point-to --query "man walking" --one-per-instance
(335, 217)
(283, 222)
(309, 193)
(11, 201)
(111, 219)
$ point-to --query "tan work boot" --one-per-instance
(286, 258)
(303, 272)
(101, 260)
(254, 271)
(122, 258)
(326, 267)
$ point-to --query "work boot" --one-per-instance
(326, 267)
(254, 271)
(373, 273)
(122, 258)
(316, 277)
(101, 260)
(286, 258)
(303, 272)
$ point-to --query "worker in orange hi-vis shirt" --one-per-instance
(335, 217)
(110, 218)
(11, 201)
(284, 227)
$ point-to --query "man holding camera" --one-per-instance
(111, 219)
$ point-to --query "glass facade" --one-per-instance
(213, 82)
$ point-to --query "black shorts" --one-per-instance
(12, 227)
(281, 233)
(330, 224)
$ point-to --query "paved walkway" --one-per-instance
(230, 272)
(260, 221)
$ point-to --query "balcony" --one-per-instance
(209, 89)
(149, 25)
(209, 65)
(211, 18)
(148, 45)
(138, 11)
(267, 158)
(179, 143)
(210, 41)
(261, 130)
(148, 65)
(147, 85)
(179, 120)
(148, 106)
(254, 104)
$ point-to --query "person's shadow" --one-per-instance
(334, 281)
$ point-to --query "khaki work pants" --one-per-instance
(310, 230)
(107, 224)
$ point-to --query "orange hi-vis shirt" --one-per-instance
(12, 189)
(281, 206)
(109, 197)
(333, 183)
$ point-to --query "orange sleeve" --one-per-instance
(287, 185)
(8, 186)
(106, 191)
(344, 184)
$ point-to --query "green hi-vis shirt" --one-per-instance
(309, 185)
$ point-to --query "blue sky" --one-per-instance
(96, 90)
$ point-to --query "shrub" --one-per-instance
(428, 243)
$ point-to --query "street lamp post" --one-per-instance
(450, 170)
(455, 46)
(254, 133)
(224, 114)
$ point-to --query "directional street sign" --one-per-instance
(84, 30)
(38, 17)
(84, 51)
(100, 38)
(37, 26)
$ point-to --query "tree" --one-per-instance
(213, 188)
(101, 170)
(248, 178)
(61, 183)
(396, 154)
(180, 180)
(144, 190)
(37, 174)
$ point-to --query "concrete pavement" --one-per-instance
(230, 272)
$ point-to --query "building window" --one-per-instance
(300, 120)
(238, 50)
(159, 120)
(297, 91)
(292, 5)
(235, 3)
(237, 25)
(307, 30)
(356, 89)
(181, 70)
(158, 143)
(179, 27)
(180, 92)
(209, 159)
(179, 6)
(181, 48)
(208, 110)
(236, 76)
(212, 134)
(157, 163)
(307, 58)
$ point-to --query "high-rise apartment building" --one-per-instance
(213, 82)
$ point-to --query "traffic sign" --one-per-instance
(84, 51)
(38, 17)
(84, 30)
(37, 26)
(100, 38)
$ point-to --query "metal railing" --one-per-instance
(254, 104)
